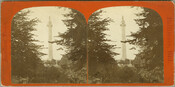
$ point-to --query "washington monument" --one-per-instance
(50, 50)
(123, 39)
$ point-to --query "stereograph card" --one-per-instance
(87, 43)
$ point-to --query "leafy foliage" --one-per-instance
(100, 56)
(50, 74)
(27, 66)
(74, 39)
(150, 40)
(25, 56)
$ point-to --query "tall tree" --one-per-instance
(74, 39)
(101, 61)
(25, 56)
(149, 38)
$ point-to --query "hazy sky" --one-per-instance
(114, 34)
(56, 14)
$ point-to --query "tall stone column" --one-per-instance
(50, 51)
(123, 25)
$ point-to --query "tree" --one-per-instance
(25, 56)
(150, 40)
(100, 55)
(74, 39)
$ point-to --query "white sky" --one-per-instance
(56, 14)
(115, 13)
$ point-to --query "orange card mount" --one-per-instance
(164, 8)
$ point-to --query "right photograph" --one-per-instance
(125, 45)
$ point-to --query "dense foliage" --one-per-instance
(149, 61)
(24, 53)
(101, 63)
(74, 39)
(27, 67)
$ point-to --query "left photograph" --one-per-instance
(48, 45)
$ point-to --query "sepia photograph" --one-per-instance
(121, 44)
(87, 43)
(125, 45)
(48, 46)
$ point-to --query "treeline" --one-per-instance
(149, 61)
